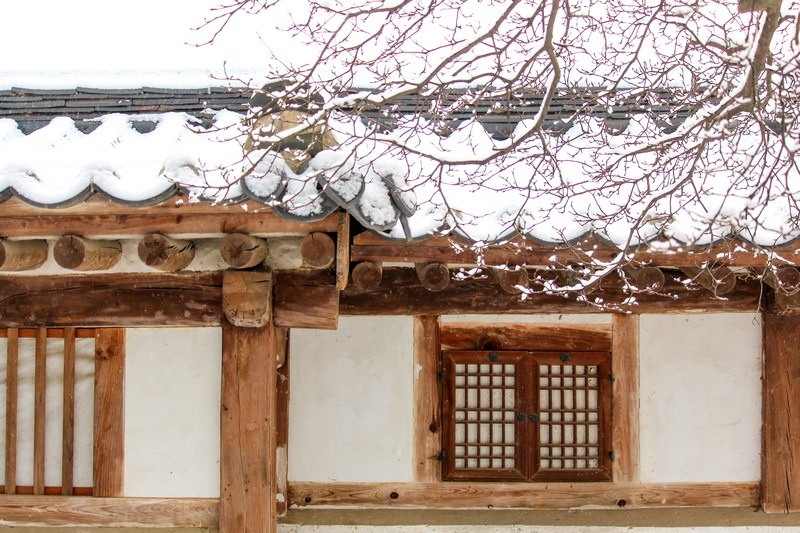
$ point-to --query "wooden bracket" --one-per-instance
(247, 298)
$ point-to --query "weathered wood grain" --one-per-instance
(78, 511)
(625, 398)
(108, 470)
(780, 457)
(457, 495)
(247, 298)
(427, 409)
(100, 300)
(433, 276)
(239, 250)
(401, 294)
(16, 256)
(306, 306)
(12, 365)
(175, 217)
(68, 414)
(248, 430)
(77, 253)
(165, 253)
(39, 410)
(282, 340)
(343, 251)
(367, 275)
(544, 337)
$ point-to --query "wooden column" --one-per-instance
(427, 418)
(625, 398)
(248, 428)
(282, 417)
(780, 458)
(109, 412)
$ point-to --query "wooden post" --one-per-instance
(427, 418)
(282, 416)
(239, 250)
(318, 250)
(16, 256)
(40, 383)
(780, 457)
(109, 412)
(68, 410)
(77, 253)
(247, 298)
(343, 251)
(12, 364)
(164, 253)
(625, 398)
(248, 428)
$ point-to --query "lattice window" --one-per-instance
(47, 376)
(517, 415)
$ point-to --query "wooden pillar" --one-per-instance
(427, 418)
(109, 412)
(780, 458)
(625, 398)
(248, 422)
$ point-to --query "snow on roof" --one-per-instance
(68, 159)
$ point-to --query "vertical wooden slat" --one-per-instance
(248, 430)
(109, 412)
(39, 410)
(282, 415)
(68, 421)
(427, 413)
(12, 363)
(625, 398)
(780, 457)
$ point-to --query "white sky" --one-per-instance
(101, 43)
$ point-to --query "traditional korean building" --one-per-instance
(182, 348)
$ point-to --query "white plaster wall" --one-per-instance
(351, 410)
(172, 402)
(700, 410)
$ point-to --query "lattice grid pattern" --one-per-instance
(484, 414)
(569, 417)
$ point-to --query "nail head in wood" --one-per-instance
(165, 253)
(239, 250)
(77, 253)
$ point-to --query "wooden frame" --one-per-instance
(625, 398)
(427, 397)
(460, 495)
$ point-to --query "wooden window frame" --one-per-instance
(526, 414)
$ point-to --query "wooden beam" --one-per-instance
(625, 398)
(401, 294)
(282, 340)
(39, 411)
(165, 253)
(720, 280)
(649, 278)
(780, 457)
(109, 413)
(16, 256)
(730, 252)
(306, 306)
(454, 495)
(158, 299)
(318, 250)
(12, 379)
(343, 251)
(544, 337)
(242, 251)
(433, 276)
(511, 280)
(77, 253)
(90, 512)
(68, 414)
(247, 298)
(427, 409)
(367, 275)
(248, 430)
(176, 217)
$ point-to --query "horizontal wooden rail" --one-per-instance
(74, 511)
(524, 495)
